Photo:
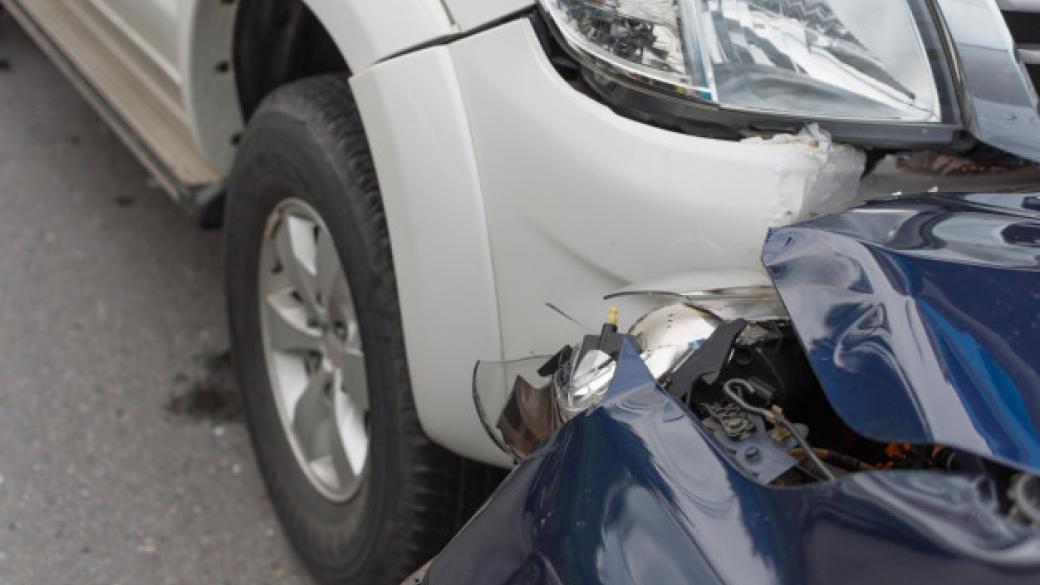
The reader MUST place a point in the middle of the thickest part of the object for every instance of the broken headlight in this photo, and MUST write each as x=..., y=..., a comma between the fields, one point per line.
x=549, y=391
x=845, y=60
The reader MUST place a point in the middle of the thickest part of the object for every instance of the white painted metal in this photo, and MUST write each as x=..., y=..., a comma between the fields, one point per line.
x=577, y=202
x=581, y=201
x=151, y=24
x=206, y=30
x=123, y=83
x=469, y=14
x=367, y=31
x=445, y=280
x=189, y=40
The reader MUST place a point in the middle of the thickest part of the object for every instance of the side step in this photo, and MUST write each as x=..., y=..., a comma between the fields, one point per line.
x=125, y=87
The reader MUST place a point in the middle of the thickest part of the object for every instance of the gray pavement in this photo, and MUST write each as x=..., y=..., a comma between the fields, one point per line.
x=123, y=458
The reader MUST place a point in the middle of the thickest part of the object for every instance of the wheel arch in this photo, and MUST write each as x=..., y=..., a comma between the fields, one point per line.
x=277, y=41
x=233, y=53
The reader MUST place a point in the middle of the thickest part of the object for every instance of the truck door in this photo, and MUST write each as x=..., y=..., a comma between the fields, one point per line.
x=151, y=25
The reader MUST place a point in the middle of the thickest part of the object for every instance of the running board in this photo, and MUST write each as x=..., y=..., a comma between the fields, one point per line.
x=133, y=96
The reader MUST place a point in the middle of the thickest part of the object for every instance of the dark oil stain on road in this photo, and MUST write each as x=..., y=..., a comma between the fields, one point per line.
x=210, y=394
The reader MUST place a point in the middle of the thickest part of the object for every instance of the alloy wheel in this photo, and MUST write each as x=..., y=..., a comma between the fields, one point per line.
x=312, y=347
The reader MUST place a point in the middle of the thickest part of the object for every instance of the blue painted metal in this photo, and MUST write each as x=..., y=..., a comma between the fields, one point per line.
x=921, y=318
x=635, y=492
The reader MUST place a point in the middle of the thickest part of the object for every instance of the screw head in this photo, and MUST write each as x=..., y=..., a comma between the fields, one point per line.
x=340, y=331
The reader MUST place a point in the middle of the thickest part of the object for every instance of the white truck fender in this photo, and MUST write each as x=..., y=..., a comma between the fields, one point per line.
x=469, y=14
x=365, y=31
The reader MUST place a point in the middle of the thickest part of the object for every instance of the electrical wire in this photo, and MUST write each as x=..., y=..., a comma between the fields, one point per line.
x=846, y=462
x=774, y=416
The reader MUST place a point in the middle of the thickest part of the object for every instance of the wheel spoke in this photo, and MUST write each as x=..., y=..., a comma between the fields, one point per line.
x=287, y=325
x=355, y=380
x=297, y=250
x=313, y=418
x=328, y=270
x=353, y=438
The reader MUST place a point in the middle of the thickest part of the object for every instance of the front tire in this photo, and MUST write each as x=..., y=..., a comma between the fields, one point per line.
x=304, y=187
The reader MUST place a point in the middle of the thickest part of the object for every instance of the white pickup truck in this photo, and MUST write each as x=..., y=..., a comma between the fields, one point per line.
x=409, y=187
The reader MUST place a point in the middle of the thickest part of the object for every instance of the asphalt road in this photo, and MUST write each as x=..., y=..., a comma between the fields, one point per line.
x=123, y=458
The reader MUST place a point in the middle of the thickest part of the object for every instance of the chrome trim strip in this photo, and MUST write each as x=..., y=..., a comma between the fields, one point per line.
x=1030, y=54
x=1020, y=5
x=1002, y=102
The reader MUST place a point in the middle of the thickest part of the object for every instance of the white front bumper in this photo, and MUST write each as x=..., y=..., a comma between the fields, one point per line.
x=506, y=189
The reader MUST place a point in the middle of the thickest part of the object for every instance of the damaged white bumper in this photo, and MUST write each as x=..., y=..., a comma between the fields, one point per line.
x=522, y=192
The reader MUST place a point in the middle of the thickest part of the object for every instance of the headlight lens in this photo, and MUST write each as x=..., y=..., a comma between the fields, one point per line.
x=824, y=59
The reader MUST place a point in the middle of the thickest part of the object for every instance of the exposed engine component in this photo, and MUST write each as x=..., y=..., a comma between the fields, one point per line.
x=748, y=383
x=731, y=421
x=674, y=325
x=588, y=380
x=783, y=429
x=745, y=437
x=1025, y=498
x=578, y=376
x=727, y=294
x=739, y=377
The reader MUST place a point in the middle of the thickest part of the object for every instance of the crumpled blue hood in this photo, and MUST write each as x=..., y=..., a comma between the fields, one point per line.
x=921, y=318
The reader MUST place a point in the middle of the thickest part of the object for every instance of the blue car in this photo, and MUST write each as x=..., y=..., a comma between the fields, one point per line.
x=876, y=420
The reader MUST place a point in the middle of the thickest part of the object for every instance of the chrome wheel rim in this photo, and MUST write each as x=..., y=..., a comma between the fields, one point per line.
x=312, y=347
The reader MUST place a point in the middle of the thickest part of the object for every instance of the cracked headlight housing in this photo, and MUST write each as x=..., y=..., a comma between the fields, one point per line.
x=846, y=60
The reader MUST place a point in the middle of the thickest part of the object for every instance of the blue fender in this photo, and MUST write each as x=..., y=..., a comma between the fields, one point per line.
x=635, y=492
x=921, y=318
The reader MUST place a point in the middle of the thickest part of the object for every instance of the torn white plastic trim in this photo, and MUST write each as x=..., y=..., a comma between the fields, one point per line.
x=833, y=186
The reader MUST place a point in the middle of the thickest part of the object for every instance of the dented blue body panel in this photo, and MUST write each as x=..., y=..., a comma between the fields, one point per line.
x=634, y=492
x=921, y=318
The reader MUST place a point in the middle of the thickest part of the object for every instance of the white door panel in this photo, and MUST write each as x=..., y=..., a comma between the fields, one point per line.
x=152, y=25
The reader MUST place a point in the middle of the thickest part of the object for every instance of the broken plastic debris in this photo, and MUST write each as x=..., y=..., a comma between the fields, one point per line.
x=528, y=417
